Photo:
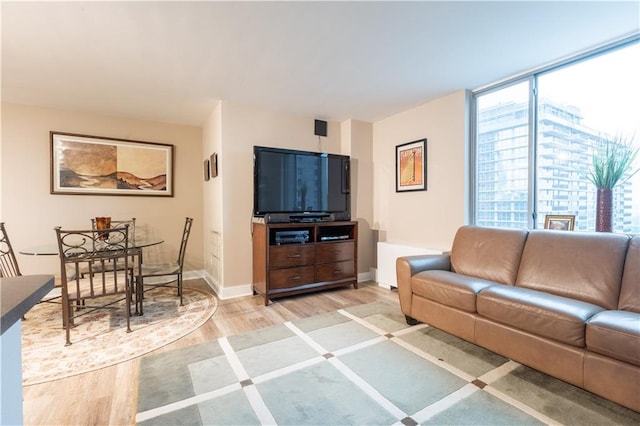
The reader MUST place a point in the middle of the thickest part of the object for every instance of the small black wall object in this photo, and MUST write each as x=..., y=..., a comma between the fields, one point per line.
x=320, y=128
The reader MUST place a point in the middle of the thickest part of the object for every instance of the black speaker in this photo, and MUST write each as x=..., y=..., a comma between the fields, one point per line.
x=341, y=216
x=277, y=218
x=320, y=128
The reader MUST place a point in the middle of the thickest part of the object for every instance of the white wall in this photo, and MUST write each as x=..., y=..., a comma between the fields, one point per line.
x=424, y=218
x=221, y=238
x=1, y=151
x=31, y=212
x=357, y=138
x=212, y=200
x=243, y=127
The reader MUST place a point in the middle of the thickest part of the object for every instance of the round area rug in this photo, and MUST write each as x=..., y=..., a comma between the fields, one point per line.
x=100, y=339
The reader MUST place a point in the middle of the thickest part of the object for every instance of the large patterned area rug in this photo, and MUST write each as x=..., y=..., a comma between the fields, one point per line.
x=357, y=366
x=99, y=339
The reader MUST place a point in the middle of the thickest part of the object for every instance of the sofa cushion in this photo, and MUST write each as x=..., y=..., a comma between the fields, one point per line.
x=546, y=315
x=449, y=288
x=615, y=334
x=489, y=253
x=630, y=289
x=578, y=265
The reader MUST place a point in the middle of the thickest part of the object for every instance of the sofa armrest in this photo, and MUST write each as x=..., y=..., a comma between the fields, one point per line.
x=408, y=266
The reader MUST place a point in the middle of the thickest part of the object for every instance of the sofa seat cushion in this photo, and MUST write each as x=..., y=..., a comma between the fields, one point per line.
x=539, y=313
x=615, y=334
x=449, y=288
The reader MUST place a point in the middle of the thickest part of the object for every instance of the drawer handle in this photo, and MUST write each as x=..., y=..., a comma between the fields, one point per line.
x=337, y=252
x=337, y=271
x=297, y=277
x=294, y=256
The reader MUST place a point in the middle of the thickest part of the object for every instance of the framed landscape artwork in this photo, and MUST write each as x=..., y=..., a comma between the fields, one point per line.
x=559, y=222
x=94, y=165
x=411, y=166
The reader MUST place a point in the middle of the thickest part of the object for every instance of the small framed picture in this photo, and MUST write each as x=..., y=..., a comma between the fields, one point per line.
x=206, y=170
x=214, y=164
x=559, y=222
x=411, y=166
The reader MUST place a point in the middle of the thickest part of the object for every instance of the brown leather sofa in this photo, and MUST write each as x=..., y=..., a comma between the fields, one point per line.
x=564, y=303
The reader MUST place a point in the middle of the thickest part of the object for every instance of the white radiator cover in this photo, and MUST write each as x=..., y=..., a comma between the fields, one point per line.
x=387, y=255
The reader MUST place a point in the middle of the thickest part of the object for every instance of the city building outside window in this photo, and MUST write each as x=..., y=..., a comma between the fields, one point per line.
x=534, y=138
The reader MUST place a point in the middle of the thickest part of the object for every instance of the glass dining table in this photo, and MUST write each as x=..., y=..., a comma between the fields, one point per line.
x=135, y=247
x=137, y=243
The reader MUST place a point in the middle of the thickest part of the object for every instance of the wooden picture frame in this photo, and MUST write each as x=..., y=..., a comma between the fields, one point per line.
x=411, y=166
x=213, y=160
x=207, y=174
x=95, y=165
x=559, y=222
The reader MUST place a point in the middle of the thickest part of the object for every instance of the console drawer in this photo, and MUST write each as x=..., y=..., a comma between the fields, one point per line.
x=291, y=255
x=291, y=277
x=335, y=252
x=335, y=271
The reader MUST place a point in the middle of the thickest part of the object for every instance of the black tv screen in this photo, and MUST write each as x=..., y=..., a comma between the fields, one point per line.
x=300, y=182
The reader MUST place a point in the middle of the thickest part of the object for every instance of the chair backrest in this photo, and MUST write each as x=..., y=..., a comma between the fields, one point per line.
x=8, y=262
x=185, y=237
x=89, y=253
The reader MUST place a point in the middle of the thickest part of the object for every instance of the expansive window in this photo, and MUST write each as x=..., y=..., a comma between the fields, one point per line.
x=534, y=137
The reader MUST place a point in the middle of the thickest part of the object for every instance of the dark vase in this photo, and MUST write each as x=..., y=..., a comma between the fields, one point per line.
x=604, y=210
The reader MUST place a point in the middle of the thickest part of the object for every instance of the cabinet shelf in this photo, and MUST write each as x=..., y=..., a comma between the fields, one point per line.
x=294, y=258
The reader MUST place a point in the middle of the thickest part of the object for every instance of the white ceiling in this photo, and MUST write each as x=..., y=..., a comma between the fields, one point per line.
x=172, y=61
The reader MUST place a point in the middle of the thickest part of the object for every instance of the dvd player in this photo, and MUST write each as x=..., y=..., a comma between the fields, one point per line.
x=292, y=237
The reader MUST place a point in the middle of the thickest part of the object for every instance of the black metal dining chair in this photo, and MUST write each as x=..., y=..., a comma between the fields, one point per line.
x=8, y=263
x=94, y=264
x=9, y=266
x=117, y=223
x=165, y=274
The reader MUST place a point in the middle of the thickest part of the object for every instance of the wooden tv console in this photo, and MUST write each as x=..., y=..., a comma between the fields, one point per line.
x=294, y=258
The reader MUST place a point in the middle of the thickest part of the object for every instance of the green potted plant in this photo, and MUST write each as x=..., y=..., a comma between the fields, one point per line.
x=611, y=164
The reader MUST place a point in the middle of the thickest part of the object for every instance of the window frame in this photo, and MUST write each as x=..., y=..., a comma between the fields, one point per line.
x=530, y=77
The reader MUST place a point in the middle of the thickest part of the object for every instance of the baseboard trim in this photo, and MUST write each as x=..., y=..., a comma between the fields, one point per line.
x=365, y=276
x=235, y=291
x=223, y=293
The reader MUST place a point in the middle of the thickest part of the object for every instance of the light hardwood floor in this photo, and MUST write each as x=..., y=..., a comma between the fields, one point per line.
x=109, y=396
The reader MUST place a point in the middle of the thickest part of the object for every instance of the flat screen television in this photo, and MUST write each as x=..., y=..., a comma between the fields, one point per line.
x=301, y=184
